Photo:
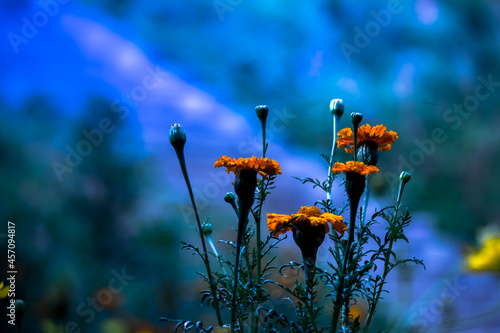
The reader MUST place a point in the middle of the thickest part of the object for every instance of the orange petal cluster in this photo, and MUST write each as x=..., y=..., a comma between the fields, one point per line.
x=355, y=167
x=280, y=223
x=263, y=166
x=376, y=134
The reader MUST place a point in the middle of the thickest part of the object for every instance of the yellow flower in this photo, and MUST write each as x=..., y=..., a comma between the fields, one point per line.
x=4, y=291
x=281, y=223
x=355, y=167
x=487, y=258
x=264, y=166
x=366, y=133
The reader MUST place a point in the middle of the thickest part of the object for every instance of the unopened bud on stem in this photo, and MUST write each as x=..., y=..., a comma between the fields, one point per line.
x=337, y=107
x=230, y=198
x=207, y=229
x=262, y=111
x=177, y=136
x=404, y=178
x=356, y=119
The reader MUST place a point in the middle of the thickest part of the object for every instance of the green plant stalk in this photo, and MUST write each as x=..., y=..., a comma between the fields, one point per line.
x=332, y=156
x=385, y=271
x=242, y=219
x=214, y=250
x=206, y=261
x=339, y=297
x=366, y=198
x=254, y=318
x=354, y=202
x=263, y=123
x=310, y=308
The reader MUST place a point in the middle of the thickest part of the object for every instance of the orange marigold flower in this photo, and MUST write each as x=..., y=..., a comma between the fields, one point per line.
x=264, y=166
x=366, y=133
x=311, y=215
x=355, y=167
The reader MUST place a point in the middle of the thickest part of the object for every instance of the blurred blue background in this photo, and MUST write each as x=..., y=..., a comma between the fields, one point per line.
x=89, y=89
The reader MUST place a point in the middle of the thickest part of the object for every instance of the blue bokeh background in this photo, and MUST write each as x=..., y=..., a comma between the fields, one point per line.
x=121, y=72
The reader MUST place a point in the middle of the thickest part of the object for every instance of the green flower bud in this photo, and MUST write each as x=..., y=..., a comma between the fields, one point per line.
x=405, y=177
x=207, y=229
x=262, y=111
x=177, y=136
x=356, y=118
x=337, y=107
x=229, y=197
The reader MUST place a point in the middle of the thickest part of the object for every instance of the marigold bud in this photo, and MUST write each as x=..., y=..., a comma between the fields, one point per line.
x=405, y=177
x=337, y=107
x=177, y=136
x=207, y=229
x=229, y=197
x=262, y=111
x=356, y=118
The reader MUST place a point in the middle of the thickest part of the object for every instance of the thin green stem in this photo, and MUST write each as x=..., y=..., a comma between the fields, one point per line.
x=340, y=289
x=254, y=319
x=400, y=194
x=386, y=269
x=366, y=198
x=214, y=250
x=257, y=216
x=310, y=307
x=236, y=210
x=355, y=135
x=264, y=149
x=206, y=261
x=332, y=156
x=242, y=219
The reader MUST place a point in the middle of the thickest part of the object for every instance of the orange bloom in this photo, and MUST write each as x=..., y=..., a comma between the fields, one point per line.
x=366, y=133
x=310, y=215
x=263, y=166
x=355, y=167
